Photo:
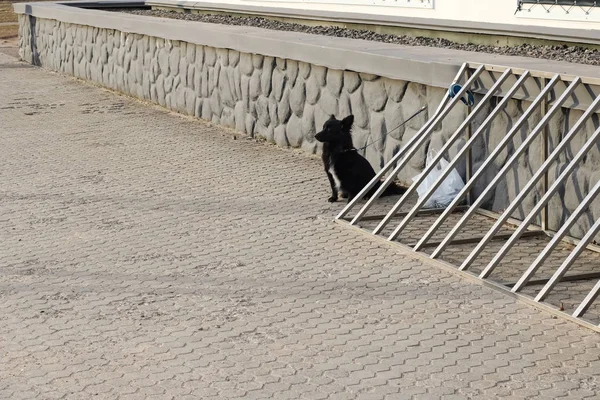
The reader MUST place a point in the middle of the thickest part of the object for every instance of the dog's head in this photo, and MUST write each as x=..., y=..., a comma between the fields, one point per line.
x=336, y=131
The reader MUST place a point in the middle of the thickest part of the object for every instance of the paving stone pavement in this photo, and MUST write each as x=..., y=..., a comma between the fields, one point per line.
x=147, y=255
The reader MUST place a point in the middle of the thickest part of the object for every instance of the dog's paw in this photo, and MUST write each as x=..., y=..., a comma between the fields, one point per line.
x=332, y=199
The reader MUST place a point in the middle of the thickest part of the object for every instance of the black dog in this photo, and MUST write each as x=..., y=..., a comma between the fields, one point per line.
x=348, y=171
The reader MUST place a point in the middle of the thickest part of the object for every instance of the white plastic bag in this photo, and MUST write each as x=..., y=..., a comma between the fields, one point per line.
x=447, y=191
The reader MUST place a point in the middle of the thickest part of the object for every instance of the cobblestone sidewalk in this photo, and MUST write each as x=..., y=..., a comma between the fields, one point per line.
x=145, y=255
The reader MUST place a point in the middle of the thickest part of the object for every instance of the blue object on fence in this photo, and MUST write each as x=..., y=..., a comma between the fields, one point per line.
x=455, y=88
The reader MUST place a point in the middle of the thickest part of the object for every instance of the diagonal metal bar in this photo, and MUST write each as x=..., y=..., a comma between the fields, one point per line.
x=476, y=239
x=587, y=302
x=539, y=174
x=421, y=139
x=423, y=211
x=516, y=127
x=567, y=278
x=491, y=186
x=413, y=187
x=465, y=149
x=566, y=265
x=402, y=151
x=557, y=238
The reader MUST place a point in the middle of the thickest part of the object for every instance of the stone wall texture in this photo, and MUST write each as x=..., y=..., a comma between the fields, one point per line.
x=286, y=102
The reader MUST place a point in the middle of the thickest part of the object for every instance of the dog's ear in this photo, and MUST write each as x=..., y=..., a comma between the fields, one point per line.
x=348, y=121
x=331, y=118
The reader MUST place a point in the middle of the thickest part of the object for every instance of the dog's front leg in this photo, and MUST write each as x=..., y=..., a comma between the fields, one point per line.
x=334, y=192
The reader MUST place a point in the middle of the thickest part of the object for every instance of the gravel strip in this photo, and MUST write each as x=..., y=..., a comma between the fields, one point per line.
x=572, y=54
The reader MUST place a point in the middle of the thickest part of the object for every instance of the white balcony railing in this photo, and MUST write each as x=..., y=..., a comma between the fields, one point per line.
x=568, y=10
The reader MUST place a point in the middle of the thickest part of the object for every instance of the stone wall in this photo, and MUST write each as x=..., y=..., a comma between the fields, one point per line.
x=286, y=102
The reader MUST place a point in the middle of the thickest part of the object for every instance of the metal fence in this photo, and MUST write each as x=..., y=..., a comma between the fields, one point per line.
x=491, y=82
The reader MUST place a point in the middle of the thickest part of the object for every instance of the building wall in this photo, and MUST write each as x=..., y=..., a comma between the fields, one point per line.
x=286, y=102
x=485, y=11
